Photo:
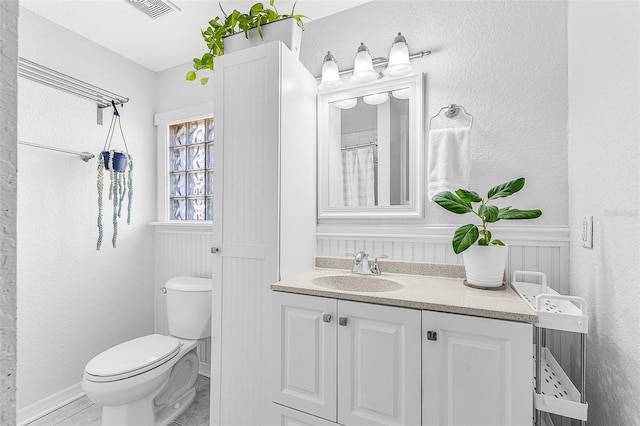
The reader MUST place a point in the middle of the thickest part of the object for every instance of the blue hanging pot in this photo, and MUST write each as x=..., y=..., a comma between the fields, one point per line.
x=119, y=160
x=119, y=157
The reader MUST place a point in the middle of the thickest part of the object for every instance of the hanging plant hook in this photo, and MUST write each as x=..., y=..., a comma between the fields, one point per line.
x=115, y=110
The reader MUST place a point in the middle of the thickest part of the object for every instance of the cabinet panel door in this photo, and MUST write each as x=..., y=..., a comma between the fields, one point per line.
x=378, y=365
x=478, y=372
x=291, y=417
x=305, y=353
x=245, y=230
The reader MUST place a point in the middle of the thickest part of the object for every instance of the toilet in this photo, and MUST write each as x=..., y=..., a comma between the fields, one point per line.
x=151, y=380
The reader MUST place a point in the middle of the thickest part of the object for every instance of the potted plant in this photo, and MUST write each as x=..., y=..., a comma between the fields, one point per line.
x=226, y=34
x=119, y=165
x=485, y=261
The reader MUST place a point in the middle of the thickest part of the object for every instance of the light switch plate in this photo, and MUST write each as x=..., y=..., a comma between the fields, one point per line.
x=587, y=231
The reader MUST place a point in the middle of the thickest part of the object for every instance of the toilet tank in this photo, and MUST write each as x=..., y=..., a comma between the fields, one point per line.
x=189, y=307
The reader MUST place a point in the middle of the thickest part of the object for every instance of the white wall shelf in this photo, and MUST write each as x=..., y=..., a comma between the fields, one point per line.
x=554, y=392
x=65, y=83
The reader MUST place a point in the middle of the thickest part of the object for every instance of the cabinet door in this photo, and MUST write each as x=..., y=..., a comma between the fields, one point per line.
x=378, y=365
x=305, y=353
x=475, y=371
x=290, y=417
x=245, y=230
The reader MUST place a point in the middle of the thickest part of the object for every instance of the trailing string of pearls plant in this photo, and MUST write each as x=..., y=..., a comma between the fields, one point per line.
x=120, y=167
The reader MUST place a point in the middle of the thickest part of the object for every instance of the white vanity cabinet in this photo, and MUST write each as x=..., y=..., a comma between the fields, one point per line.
x=356, y=363
x=475, y=371
x=347, y=362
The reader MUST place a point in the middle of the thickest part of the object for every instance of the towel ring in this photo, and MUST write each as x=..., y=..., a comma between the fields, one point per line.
x=451, y=112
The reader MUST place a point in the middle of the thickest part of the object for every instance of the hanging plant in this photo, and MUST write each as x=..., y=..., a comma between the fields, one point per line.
x=120, y=167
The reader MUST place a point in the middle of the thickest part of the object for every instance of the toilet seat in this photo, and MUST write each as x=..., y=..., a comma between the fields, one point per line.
x=132, y=358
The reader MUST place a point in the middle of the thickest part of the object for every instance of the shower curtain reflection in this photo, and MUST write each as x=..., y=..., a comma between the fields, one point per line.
x=358, y=168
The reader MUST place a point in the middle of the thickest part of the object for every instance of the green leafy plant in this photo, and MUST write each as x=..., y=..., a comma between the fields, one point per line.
x=232, y=23
x=461, y=203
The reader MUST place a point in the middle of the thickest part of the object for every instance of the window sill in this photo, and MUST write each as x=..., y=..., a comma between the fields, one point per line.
x=184, y=226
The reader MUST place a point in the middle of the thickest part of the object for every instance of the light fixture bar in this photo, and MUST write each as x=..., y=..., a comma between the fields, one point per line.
x=377, y=62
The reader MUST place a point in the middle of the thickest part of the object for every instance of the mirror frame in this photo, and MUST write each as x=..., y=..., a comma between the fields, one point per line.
x=415, y=208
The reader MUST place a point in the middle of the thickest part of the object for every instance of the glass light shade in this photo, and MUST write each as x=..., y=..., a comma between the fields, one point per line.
x=376, y=99
x=347, y=103
x=399, y=63
x=363, y=71
x=330, y=74
x=401, y=93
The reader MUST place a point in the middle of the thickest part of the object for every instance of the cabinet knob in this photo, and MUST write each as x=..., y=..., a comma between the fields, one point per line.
x=326, y=317
x=215, y=250
x=343, y=321
x=432, y=335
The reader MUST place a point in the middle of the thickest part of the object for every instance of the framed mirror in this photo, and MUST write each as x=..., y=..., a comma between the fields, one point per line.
x=370, y=150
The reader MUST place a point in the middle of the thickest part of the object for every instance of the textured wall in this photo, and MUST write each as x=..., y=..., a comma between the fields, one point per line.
x=604, y=181
x=8, y=200
x=506, y=62
x=174, y=92
x=75, y=302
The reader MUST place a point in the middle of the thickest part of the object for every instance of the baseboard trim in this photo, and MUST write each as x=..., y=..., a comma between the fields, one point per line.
x=205, y=369
x=51, y=403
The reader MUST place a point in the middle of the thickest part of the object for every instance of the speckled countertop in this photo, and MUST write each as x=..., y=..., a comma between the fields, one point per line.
x=444, y=293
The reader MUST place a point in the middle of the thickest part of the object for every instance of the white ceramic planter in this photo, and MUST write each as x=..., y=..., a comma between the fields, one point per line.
x=484, y=265
x=285, y=30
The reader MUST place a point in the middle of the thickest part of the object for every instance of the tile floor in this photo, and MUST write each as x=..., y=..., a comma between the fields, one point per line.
x=83, y=412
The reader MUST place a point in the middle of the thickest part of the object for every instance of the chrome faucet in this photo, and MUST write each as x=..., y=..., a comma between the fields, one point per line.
x=361, y=264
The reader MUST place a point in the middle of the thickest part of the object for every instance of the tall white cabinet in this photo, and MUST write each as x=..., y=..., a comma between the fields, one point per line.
x=264, y=216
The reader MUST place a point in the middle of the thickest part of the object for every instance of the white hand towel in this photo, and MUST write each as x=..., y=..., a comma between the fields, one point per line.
x=449, y=160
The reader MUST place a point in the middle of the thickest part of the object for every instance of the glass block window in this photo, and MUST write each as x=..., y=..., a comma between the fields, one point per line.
x=191, y=170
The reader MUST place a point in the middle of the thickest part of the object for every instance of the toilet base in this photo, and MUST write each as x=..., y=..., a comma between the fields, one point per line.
x=168, y=414
x=137, y=413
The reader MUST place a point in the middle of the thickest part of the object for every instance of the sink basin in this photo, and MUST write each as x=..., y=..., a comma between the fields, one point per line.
x=363, y=283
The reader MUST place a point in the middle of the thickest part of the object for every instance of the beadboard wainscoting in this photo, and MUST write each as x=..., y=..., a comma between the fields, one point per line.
x=181, y=250
x=533, y=248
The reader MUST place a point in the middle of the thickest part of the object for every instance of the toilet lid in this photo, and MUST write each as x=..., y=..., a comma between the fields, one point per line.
x=134, y=357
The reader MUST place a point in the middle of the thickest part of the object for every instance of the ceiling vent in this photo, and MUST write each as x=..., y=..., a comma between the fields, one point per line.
x=153, y=8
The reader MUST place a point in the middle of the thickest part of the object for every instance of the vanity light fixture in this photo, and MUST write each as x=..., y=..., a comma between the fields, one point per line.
x=399, y=64
x=376, y=99
x=363, y=71
x=398, y=57
x=401, y=93
x=330, y=74
x=346, y=104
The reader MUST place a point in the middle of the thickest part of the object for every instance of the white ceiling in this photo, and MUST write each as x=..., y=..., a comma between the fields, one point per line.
x=167, y=41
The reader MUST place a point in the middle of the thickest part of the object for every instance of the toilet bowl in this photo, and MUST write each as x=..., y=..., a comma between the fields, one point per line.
x=151, y=380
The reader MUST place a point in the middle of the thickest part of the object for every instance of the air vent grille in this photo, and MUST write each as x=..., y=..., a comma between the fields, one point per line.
x=153, y=8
